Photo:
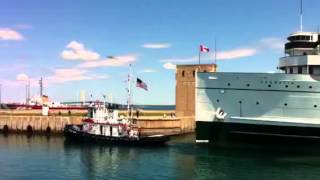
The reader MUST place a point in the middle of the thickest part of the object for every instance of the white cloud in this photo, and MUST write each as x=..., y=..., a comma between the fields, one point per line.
x=10, y=34
x=236, y=53
x=22, y=77
x=77, y=51
x=157, y=45
x=72, y=74
x=169, y=66
x=23, y=26
x=181, y=60
x=273, y=43
x=110, y=62
x=148, y=71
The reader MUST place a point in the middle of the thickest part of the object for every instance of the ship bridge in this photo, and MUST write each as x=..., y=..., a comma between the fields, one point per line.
x=302, y=54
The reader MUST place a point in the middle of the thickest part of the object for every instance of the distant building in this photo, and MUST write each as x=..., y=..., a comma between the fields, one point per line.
x=82, y=96
x=185, y=92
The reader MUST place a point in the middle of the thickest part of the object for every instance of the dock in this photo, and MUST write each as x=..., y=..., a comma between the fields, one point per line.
x=33, y=122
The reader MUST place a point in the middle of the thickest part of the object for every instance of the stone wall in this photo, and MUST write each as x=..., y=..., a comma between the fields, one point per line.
x=185, y=93
x=54, y=124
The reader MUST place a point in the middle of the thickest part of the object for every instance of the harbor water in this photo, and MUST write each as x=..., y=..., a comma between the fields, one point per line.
x=39, y=157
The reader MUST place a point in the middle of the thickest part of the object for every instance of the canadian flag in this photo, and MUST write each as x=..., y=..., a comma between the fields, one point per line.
x=204, y=48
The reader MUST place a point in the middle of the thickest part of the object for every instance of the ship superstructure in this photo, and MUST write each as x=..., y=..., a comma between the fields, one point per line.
x=274, y=104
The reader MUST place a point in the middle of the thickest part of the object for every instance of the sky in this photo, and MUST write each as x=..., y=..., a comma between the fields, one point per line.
x=88, y=45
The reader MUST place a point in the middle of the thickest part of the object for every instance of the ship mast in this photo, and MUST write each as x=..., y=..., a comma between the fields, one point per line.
x=301, y=16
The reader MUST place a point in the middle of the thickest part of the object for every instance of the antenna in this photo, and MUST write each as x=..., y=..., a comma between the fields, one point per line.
x=301, y=15
x=215, y=51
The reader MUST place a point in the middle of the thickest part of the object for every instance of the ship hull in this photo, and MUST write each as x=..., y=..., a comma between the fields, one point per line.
x=76, y=135
x=211, y=132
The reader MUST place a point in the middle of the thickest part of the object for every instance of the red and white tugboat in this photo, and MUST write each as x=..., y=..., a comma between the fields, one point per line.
x=104, y=125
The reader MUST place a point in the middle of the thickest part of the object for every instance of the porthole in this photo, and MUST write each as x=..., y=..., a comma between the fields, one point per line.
x=248, y=85
x=310, y=87
x=286, y=86
x=269, y=85
x=240, y=102
x=229, y=84
x=285, y=104
x=257, y=103
x=298, y=86
x=315, y=106
x=218, y=100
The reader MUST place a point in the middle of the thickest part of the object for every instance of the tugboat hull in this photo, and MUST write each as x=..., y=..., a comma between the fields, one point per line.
x=74, y=133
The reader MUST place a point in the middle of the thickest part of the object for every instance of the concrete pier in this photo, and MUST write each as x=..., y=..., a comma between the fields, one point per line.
x=31, y=121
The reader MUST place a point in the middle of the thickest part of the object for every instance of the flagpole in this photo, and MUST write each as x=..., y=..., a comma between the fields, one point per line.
x=199, y=54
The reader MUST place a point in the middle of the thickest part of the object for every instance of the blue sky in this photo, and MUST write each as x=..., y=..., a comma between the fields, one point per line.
x=68, y=42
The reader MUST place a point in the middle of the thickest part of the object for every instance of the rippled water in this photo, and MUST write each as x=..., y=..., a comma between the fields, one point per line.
x=40, y=158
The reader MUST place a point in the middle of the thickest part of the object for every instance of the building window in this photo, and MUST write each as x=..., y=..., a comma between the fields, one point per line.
x=310, y=69
x=299, y=70
x=194, y=73
x=182, y=73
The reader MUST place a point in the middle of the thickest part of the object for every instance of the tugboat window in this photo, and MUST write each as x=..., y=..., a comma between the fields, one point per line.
x=300, y=69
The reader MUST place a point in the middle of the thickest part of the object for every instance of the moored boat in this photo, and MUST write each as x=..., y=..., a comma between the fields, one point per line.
x=104, y=126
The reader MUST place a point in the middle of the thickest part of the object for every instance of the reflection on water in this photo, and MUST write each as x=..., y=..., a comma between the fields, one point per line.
x=39, y=157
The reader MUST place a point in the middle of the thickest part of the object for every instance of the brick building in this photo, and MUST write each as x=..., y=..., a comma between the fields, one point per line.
x=185, y=92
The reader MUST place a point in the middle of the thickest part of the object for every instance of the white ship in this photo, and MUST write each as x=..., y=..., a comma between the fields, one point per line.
x=285, y=104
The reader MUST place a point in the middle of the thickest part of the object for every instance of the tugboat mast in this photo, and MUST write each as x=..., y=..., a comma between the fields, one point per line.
x=129, y=92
